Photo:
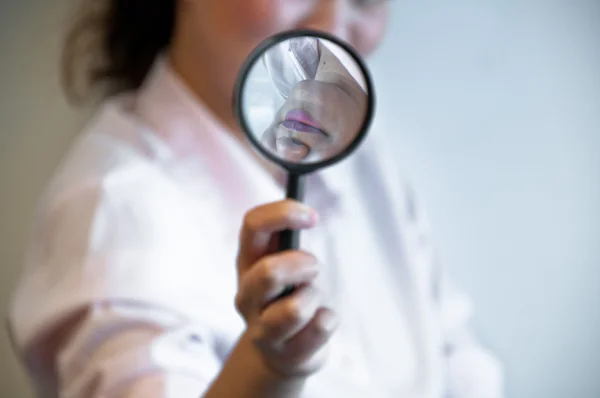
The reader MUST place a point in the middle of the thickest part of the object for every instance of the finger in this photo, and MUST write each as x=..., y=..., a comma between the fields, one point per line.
x=261, y=222
x=313, y=337
x=268, y=278
x=283, y=319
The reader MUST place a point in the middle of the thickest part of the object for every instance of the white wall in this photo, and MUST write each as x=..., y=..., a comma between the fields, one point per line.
x=497, y=121
x=35, y=128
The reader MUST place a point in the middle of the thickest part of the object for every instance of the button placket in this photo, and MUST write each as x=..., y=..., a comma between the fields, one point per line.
x=351, y=359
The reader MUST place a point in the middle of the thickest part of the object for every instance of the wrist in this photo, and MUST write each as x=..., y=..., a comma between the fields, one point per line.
x=245, y=373
x=287, y=386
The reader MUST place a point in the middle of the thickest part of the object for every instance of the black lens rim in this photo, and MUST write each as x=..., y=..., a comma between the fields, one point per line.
x=255, y=56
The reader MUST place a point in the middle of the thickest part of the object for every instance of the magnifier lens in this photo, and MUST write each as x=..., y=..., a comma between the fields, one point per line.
x=305, y=100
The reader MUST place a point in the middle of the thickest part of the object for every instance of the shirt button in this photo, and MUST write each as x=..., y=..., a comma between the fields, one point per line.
x=195, y=338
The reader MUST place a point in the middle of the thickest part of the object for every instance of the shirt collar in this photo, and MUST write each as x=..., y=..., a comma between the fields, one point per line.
x=189, y=133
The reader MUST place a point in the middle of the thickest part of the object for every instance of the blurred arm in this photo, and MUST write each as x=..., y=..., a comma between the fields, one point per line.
x=130, y=350
x=124, y=349
x=123, y=299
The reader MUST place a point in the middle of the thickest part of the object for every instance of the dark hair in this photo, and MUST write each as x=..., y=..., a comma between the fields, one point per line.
x=113, y=44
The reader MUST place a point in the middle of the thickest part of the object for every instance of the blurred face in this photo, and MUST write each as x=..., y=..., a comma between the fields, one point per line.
x=321, y=116
x=214, y=37
x=236, y=25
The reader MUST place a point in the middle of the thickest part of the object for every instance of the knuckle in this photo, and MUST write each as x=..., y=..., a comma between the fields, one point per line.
x=270, y=275
x=251, y=221
x=239, y=302
x=258, y=337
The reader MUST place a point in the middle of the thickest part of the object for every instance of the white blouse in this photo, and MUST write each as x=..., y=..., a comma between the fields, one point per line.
x=130, y=274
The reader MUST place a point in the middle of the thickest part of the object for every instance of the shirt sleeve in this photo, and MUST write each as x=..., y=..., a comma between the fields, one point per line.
x=121, y=296
x=471, y=370
x=133, y=350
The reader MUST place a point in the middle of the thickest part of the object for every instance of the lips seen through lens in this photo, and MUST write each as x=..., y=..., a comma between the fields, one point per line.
x=303, y=125
x=320, y=116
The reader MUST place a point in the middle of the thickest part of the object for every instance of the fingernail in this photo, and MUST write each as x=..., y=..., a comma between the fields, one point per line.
x=312, y=269
x=329, y=321
x=308, y=215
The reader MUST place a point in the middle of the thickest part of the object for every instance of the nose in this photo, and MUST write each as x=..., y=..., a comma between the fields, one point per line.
x=333, y=17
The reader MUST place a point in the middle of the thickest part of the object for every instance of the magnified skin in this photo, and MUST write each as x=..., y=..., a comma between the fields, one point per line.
x=320, y=117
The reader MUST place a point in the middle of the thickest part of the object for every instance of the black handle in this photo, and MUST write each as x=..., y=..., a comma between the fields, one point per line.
x=290, y=239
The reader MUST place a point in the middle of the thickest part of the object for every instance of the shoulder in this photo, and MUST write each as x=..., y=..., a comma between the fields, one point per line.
x=111, y=143
x=114, y=224
x=117, y=167
x=114, y=190
x=104, y=172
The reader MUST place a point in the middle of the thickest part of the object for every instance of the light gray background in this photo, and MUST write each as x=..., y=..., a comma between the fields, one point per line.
x=494, y=108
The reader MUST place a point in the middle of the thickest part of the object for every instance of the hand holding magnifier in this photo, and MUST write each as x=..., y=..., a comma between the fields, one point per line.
x=305, y=101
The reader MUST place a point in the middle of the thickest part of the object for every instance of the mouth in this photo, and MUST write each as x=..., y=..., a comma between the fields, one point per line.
x=301, y=121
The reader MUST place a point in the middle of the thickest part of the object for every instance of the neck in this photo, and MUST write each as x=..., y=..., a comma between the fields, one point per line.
x=216, y=94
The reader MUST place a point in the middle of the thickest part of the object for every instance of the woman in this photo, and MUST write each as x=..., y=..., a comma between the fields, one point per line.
x=325, y=104
x=137, y=258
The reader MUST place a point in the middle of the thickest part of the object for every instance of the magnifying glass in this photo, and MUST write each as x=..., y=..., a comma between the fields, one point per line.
x=305, y=100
